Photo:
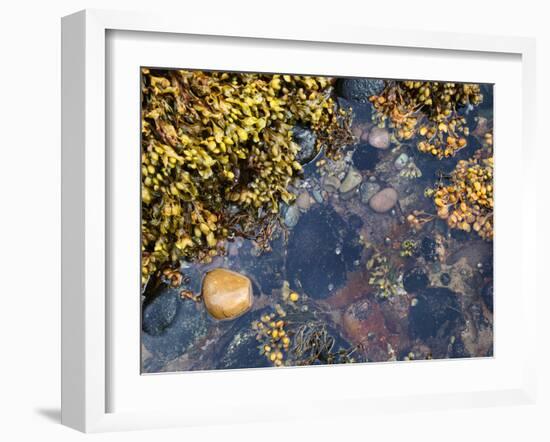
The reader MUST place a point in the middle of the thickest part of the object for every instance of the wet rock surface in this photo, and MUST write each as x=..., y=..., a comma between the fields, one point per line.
x=238, y=348
x=306, y=139
x=190, y=324
x=415, y=279
x=359, y=89
x=365, y=325
x=436, y=314
x=487, y=295
x=351, y=181
x=365, y=157
x=428, y=249
x=368, y=190
x=160, y=312
x=315, y=242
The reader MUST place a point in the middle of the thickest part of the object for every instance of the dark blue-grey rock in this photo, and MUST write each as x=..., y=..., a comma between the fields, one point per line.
x=487, y=295
x=415, y=279
x=238, y=348
x=187, y=327
x=359, y=89
x=445, y=279
x=159, y=313
x=307, y=140
x=315, y=260
x=365, y=157
x=436, y=314
x=428, y=249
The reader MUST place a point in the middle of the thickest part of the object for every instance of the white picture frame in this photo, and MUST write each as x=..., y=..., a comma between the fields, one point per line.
x=87, y=356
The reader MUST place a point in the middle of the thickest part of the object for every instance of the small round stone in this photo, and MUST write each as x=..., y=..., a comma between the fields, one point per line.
x=384, y=200
x=226, y=294
x=351, y=181
x=445, y=279
x=379, y=138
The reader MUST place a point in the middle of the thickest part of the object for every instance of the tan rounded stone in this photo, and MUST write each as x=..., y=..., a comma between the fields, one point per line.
x=383, y=200
x=226, y=294
x=379, y=138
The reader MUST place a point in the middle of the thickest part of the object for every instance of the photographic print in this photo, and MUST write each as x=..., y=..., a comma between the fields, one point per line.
x=296, y=220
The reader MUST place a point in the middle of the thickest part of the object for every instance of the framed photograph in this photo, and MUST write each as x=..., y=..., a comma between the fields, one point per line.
x=327, y=218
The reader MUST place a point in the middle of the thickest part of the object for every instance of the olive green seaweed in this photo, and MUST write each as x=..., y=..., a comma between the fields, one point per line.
x=217, y=156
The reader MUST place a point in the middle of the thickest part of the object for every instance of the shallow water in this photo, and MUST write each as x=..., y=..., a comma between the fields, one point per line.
x=436, y=303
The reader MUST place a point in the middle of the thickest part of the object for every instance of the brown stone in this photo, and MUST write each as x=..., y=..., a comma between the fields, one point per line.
x=384, y=200
x=379, y=138
x=226, y=294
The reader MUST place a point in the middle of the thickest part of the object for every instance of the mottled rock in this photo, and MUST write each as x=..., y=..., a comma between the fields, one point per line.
x=368, y=190
x=359, y=89
x=306, y=139
x=365, y=157
x=303, y=201
x=428, y=249
x=401, y=161
x=292, y=215
x=226, y=294
x=331, y=183
x=415, y=279
x=351, y=181
x=317, y=195
x=384, y=200
x=365, y=325
x=379, y=138
x=160, y=312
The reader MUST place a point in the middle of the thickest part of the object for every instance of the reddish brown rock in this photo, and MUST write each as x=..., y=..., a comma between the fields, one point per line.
x=364, y=324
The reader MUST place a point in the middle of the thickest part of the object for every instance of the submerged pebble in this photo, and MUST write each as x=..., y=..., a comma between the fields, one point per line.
x=379, y=138
x=401, y=161
x=292, y=215
x=317, y=196
x=351, y=181
x=384, y=200
x=303, y=201
x=331, y=183
x=445, y=279
x=365, y=157
x=226, y=294
x=368, y=190
x=306, y=139
x=428, y=249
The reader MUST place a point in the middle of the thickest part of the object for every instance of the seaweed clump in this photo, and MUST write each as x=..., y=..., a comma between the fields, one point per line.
x=433, y=110
x=217, y=156
x=465, y=198
x=384, y=277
